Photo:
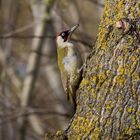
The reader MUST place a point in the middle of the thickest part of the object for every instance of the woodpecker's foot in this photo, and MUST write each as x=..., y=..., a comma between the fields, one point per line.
x=82, y=67
x=69, y=125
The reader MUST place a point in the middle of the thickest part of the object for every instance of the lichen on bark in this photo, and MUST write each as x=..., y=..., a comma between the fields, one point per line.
x=109, y=95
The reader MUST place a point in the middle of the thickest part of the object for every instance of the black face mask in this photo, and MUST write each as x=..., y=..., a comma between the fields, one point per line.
x=65, y=35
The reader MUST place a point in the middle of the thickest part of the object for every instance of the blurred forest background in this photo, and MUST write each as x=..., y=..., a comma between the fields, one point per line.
x=32, y=100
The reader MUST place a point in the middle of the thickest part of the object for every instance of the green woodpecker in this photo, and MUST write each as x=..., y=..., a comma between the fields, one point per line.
x=69, y=63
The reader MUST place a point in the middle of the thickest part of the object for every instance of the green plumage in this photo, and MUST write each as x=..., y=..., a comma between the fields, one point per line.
x=61, y=53
x=70, y=79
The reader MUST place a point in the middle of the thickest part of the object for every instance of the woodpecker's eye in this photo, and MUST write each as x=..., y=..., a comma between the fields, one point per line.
x=63, y=34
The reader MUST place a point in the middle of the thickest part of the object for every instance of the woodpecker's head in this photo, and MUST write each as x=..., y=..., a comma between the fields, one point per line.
x=64, y=36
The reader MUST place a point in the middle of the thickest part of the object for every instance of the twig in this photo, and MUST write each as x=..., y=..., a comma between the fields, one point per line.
x=11, y=117
x=26, y=36
x=97, y=3
x=41, y=37
x=19, y=30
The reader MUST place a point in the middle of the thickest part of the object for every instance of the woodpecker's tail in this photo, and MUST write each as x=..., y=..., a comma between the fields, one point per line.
x=72, y=97
x=71, y=93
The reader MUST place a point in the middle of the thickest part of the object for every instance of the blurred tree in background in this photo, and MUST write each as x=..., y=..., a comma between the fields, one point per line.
x=32, y=100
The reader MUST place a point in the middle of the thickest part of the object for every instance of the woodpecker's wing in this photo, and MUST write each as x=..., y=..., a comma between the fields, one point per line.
x=68, y=88
x=61, y=53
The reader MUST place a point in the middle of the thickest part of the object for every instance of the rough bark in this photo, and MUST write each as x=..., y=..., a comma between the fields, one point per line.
x=108, y=100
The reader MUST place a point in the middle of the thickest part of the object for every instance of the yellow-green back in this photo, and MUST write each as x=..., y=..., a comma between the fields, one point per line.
x=61, y=53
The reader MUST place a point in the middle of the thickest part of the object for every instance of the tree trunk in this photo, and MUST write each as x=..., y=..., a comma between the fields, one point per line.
x=108, y=100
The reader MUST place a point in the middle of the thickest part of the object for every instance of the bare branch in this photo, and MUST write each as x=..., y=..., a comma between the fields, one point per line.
x=97, y=3
x=15, y=115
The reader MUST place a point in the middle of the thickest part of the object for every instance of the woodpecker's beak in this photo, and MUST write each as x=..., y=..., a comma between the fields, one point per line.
x=72, y=30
